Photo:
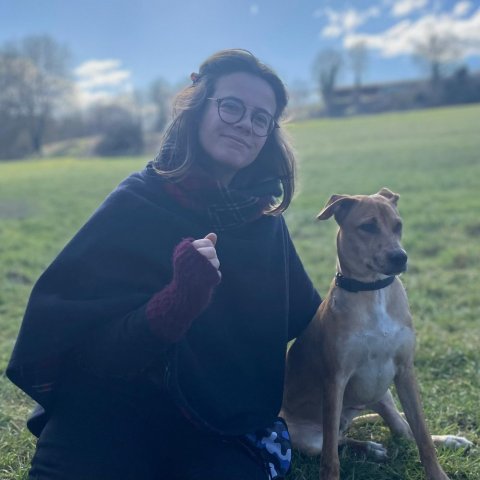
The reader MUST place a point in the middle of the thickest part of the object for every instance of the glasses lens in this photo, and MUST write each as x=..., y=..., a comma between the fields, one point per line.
x=231, y=110
x=262, y=124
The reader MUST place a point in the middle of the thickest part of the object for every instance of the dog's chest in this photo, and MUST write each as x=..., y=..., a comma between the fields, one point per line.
x=374, y=349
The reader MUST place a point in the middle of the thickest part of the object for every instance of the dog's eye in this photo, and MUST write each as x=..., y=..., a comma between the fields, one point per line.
x=369, y=227
x=398, y=228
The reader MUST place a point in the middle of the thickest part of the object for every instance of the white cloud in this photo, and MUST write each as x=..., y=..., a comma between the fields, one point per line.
x=403, y=37
x=86, y=98
x=405, y=7
x=101, y=81
x=344, y=22
x=108, y=79
x=461, y=8
x=99, y=73
x=92, y=67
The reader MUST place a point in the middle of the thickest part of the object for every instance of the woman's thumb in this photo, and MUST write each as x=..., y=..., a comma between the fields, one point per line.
x=212, y=237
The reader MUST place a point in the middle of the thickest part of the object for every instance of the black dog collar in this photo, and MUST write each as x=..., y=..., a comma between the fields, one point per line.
x=355, y=286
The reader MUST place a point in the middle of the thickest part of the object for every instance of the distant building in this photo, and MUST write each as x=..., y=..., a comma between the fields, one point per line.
x=461, y=87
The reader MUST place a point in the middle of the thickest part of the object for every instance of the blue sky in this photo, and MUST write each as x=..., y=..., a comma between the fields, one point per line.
x=118, y=45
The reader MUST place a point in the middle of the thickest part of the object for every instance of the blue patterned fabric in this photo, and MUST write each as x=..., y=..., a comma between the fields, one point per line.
x=273, y=445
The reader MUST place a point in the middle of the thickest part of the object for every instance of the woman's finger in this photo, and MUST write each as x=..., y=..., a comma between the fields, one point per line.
x=212, y=237
x=202, y=243
x=208, y=252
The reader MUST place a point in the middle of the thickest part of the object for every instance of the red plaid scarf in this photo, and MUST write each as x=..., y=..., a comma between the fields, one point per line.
x=226, y=207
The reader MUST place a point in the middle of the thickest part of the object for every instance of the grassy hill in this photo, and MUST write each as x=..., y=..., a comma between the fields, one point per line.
x=431, y=158
x=84, y=147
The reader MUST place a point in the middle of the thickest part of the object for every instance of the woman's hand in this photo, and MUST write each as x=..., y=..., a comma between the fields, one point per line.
x=206, y=247
x=171, y=311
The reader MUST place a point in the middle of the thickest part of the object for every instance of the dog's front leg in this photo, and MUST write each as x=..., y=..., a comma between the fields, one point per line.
x=333, y=388
x=408, y=392
x=393, y=418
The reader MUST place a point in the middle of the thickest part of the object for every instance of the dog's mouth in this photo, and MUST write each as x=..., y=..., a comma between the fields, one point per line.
x=395, y=269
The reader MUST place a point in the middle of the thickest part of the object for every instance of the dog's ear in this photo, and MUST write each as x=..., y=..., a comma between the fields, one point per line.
x=338, y=205
x=385, y=192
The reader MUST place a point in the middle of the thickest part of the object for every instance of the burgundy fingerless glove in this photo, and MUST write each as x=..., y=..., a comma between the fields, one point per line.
x=171, y=311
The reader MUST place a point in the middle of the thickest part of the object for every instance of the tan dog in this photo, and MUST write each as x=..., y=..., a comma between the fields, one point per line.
x=359, y=343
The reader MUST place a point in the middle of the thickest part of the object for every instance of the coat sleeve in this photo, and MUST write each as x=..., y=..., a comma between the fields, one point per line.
x=120, y=348
x=304, y=299
x=127, y=346
x=95, y=293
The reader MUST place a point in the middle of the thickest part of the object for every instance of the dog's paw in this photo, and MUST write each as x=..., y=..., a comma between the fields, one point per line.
x=452, y=441
x=376, y=451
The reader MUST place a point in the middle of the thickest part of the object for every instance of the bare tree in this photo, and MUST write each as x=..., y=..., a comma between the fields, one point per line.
x=35, y=81
x=438, y=53
x=160, y=93
x=326, y=69
x=14, y=141
x=121, y=129
x=358, y=62
x=300, y=93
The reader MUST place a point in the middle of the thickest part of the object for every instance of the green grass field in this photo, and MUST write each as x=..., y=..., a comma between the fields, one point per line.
x=431, y=158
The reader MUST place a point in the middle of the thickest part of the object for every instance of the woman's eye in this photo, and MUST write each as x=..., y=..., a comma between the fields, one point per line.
x=231, y=107
x=261, y=120
x=369, y=227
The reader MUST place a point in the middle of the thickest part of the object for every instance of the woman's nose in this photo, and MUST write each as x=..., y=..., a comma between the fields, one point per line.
x=245, y=124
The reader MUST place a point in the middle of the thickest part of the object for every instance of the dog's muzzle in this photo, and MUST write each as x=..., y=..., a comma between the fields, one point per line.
x=397, y=261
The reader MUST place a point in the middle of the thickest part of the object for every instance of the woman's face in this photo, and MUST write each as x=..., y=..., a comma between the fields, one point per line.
x=232, y=147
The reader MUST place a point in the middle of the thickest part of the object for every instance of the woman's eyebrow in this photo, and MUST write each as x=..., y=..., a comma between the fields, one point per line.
x=249, y=105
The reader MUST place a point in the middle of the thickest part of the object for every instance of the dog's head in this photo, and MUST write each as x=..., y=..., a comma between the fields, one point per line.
x=368, y=241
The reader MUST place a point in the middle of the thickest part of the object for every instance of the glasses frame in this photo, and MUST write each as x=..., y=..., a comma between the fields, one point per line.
x=273, y=123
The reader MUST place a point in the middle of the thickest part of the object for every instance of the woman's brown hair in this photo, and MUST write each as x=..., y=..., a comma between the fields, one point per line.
x=180, y=144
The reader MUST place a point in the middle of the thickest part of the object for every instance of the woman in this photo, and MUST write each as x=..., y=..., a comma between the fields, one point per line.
x=154, y=344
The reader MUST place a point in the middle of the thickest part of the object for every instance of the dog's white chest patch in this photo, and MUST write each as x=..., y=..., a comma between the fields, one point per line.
x=373, y=350
x=383, y=324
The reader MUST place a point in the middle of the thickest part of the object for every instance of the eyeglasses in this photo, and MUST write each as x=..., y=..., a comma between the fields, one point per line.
x=231, y=110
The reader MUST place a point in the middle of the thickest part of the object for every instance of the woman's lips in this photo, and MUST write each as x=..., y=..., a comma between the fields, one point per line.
x=238, y=140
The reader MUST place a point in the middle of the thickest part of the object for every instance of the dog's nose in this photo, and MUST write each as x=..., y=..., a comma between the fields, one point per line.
x=398, y=259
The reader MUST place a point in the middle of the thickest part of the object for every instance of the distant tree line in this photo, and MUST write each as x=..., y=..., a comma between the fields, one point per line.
x=33, y=82
x=38, y=96
x=448, y=82
x=37, y=104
